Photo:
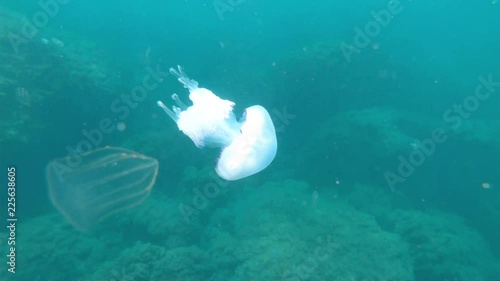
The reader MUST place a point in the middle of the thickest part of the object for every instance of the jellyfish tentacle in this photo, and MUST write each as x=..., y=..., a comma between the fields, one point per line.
x=175, y=97
x=169, y=112
x=177, y=110
x=183, y=78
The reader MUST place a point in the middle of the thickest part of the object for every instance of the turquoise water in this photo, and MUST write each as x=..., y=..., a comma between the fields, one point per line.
x=385, y=113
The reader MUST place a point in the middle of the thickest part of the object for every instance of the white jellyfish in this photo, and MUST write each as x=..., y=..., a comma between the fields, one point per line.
x=247, y=145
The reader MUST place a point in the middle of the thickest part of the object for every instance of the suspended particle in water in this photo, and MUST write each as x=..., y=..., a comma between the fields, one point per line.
x=486, y=185
x=121, y=126
x=89, y=187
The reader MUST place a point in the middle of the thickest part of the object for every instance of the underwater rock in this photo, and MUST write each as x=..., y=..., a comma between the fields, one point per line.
x=443, y=247
x=297, y=239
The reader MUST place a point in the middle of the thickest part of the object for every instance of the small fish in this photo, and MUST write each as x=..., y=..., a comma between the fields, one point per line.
x=57, y=42
x=23, y=96
x=73, y=151
x=44, y=41
x=315, y=196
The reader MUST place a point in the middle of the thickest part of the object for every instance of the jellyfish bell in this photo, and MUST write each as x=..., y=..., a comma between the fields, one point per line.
x=247, y=146
x=252, y=150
